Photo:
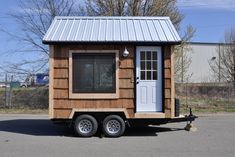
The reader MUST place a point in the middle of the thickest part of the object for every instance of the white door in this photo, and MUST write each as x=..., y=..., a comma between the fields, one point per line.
x=148, y=79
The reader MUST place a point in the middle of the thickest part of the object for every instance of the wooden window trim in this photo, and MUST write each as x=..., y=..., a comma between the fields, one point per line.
x=93, y=95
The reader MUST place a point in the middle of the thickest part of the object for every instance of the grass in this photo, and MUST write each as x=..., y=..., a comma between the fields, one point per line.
x=185, y=110
x=207, y=105
x=23, y=111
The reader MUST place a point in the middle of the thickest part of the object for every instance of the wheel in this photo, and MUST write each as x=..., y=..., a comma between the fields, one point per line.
x=113, y=126
x=85, y=126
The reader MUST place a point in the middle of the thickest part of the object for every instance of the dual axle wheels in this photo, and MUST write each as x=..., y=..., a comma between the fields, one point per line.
x=86, y=126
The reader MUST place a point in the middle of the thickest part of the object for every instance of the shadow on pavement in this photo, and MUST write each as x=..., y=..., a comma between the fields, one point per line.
x=148, y=130
x=44, y=127
x=36, y=127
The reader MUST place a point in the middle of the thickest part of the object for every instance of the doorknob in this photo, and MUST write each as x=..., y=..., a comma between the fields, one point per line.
x=137, y=80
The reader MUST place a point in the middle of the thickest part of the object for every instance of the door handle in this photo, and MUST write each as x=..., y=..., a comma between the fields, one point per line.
x=137, y=80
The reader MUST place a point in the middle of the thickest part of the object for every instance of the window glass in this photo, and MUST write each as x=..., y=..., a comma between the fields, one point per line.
x=142, y=55
x=142, y=65
x=154, y=55
x=94, y=73
x=148, y=65
x=148, y=55
x=154, y=65
x=148, y=75
x=142, y=75
x=154, y=75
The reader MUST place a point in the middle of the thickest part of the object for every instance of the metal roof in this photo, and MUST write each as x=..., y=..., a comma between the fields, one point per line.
x=111, y=29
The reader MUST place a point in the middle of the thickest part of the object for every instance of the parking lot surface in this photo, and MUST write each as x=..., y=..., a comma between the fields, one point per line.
x=35, y=135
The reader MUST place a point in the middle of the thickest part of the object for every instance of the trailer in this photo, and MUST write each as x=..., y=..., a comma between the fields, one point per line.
x=112, y=72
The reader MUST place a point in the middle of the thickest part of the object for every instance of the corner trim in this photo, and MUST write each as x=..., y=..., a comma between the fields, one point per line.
x=51, y=81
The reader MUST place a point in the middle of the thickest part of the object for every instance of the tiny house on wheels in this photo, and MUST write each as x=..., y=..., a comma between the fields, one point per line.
x=112, y=72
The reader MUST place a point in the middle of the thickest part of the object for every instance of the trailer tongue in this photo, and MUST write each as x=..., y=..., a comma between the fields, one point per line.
x=187, y=118
x=158, y=121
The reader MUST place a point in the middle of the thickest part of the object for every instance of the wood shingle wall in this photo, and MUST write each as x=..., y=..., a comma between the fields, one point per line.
x=60, y=104
x=63, y=105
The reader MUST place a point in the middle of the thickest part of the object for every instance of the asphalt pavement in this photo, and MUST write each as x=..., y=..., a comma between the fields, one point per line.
x=36, y=136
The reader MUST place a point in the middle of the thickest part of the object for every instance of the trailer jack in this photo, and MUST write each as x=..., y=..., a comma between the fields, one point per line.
x=189, y=126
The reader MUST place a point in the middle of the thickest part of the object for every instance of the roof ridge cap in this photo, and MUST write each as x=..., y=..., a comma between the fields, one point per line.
x=114, y=17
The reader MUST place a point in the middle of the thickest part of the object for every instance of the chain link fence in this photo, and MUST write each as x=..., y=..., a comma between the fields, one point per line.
x=30, y=98
x=23, y=98
x=206, y=97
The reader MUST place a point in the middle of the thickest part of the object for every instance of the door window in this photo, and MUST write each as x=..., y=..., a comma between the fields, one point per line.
x=148, y=65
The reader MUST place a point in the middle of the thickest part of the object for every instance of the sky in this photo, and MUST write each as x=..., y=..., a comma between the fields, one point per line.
x=210, y=18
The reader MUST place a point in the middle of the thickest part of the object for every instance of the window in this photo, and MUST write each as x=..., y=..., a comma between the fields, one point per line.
x=94, y=73
x=148, y=65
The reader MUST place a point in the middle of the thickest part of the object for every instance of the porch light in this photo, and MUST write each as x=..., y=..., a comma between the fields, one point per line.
x=125, y=53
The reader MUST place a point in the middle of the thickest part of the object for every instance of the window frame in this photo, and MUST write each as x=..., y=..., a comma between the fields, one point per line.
x=73, y=95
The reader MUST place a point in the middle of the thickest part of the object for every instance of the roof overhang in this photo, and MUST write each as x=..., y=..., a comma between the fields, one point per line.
x=149, y=30
x=107, y=42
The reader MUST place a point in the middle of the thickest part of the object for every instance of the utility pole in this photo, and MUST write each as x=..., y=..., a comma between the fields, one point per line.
x=182, y=64
x=10, y=94
x=6, y=91
x=233, y=53
x=219, y=64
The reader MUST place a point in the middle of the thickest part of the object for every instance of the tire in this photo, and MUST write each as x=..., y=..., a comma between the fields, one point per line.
x=85, y=125
x=113, y=126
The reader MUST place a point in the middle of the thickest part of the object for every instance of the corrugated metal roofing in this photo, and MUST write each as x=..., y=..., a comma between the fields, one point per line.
x=111, y=29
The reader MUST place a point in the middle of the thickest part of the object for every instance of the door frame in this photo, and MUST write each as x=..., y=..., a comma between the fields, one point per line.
x=162, y=79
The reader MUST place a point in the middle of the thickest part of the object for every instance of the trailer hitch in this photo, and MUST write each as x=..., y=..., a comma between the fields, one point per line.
x=187, y=118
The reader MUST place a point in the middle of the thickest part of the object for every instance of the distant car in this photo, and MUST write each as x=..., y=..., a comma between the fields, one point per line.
x=39, y=79
x=23, y=85
x=2, y=85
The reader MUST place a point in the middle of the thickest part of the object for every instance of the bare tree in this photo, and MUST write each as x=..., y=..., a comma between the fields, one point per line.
x=104, y=7
x=223, y=66
x=34, y=17
x=134, y=8
x=182, y=58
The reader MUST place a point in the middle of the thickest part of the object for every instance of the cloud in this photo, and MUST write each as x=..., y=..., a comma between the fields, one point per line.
x=209, y=4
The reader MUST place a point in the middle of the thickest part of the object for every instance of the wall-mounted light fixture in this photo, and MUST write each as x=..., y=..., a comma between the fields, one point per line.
x=213, y=58
x=125, y=53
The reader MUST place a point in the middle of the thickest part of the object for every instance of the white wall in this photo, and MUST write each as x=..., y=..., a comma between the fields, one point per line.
x=200, y=54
